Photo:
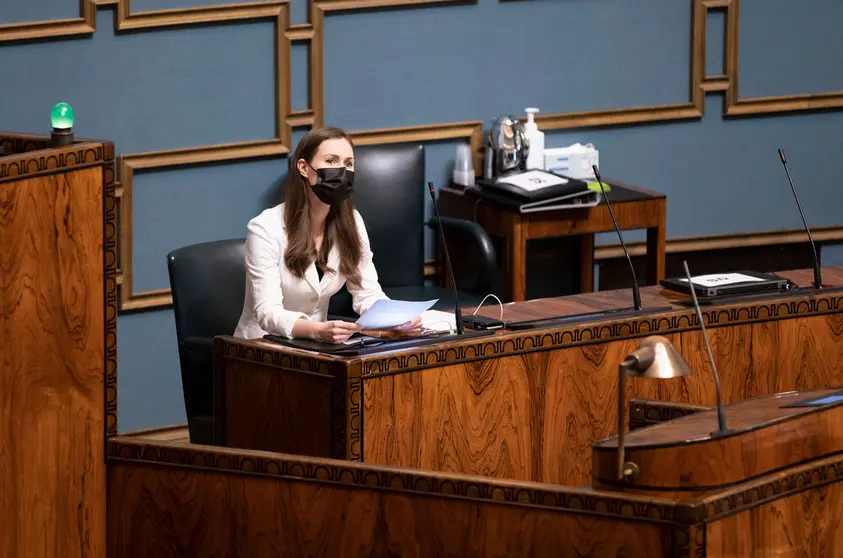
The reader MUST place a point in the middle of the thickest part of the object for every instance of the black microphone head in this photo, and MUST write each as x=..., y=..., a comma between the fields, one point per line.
x=782, y=157
x=430, y=189
x=596, y=172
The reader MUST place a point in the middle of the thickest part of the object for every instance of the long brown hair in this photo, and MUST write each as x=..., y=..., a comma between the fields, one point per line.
x=340, y=224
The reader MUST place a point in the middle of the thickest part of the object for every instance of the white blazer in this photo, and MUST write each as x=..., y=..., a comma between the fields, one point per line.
x=276, y=299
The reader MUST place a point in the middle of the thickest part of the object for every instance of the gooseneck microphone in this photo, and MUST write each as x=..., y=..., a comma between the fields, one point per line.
x=636, y=294
x=721, y=416
x=818, y=280
x=457, y=311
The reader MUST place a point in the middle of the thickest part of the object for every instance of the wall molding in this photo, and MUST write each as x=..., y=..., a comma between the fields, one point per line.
x=705, y=243
x=85, y=24
x=735, y=106
x=312, y=33
x=726, y=241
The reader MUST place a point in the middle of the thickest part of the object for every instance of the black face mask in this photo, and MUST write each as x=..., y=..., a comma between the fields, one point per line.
x=333, y=184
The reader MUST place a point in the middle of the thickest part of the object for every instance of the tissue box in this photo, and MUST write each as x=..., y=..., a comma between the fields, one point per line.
x=574, y=161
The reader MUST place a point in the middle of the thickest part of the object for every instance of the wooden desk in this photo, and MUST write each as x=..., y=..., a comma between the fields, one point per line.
x=168, y=498
x=520, y=405
x=635, y=208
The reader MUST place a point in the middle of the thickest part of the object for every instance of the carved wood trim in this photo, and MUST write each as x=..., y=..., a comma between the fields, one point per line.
x=350, y=473
x=688, y=517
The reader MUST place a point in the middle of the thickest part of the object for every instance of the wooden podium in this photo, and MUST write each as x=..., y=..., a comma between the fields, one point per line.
x=777, y=464
x=57, y=344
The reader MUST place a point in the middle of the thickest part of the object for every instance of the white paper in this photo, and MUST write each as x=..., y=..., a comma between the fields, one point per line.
x=390, y=313
x=436, y=320
x=719, y=279
x=533, y=180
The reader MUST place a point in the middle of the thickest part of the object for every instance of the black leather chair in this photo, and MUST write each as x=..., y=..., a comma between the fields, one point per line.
x=391, y=194
x=208, y=282
x=208, y=279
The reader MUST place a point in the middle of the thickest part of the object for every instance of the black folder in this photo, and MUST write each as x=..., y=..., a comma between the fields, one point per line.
x=373, y=344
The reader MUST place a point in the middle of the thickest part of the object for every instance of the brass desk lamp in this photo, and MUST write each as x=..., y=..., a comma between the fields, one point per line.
x=656, y=357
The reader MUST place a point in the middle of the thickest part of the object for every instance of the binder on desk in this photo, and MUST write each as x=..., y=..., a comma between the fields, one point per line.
x=536, y=190
x=363, y=344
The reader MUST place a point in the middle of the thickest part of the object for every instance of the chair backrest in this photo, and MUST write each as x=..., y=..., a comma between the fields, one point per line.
x=390, y=194
x=208, y=282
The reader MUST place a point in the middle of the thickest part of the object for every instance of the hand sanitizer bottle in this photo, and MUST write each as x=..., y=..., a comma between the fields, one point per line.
x=535, y=158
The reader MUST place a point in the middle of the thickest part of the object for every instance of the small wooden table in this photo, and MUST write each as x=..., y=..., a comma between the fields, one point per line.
x=635, y=208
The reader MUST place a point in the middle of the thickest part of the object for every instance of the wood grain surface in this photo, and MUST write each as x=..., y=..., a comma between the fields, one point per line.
x=171, y=512
x=52, y=378
x=764, y=436
x=528, y=405
x=295, y=414
x=527, y=417
x=807, y=524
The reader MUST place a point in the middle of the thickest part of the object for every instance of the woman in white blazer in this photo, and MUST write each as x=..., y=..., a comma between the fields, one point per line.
x=301, y=252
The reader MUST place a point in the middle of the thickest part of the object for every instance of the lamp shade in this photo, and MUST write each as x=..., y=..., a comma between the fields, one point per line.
x=656, y=357
x=61, y=116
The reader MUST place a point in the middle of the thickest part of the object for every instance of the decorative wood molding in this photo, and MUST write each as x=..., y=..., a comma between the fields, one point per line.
x=85, y=24
x=129, y=299
x=349, y=473
x=126, y=19
x=735, y=106
x=705, y=243
x=686, y=516
x=726, y=241
x=110, y=234
x=471, y=130
x=285, y=119
x=645, y=412
x=677, y=319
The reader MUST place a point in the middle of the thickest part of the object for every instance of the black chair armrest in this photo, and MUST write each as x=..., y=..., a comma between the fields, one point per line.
x=477, y=241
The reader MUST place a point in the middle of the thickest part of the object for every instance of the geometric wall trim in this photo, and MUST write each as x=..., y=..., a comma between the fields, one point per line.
x=277, y=11
x=735, y=106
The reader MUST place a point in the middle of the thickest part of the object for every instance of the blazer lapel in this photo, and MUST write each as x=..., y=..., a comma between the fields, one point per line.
x=333, y=263
x=312, y=278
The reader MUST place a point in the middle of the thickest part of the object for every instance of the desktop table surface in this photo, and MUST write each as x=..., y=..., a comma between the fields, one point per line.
x=673, y=304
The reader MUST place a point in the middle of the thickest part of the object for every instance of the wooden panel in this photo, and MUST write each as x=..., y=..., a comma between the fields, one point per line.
x=52, y=378
x=809, y=523
x=764, y=436
x=528, y=417
x=176, y=512
x=294, y=410
x=470, y=418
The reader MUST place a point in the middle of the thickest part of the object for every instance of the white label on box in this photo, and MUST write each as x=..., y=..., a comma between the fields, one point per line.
x=720, y=279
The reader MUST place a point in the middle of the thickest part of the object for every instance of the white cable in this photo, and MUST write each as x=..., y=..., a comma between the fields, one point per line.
x=484, y=300
x=446, y=322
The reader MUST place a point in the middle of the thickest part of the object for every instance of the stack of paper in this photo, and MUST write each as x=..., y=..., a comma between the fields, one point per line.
x=391, y=313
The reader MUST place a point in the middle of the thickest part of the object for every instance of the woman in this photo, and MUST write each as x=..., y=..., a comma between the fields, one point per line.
x=301, y=252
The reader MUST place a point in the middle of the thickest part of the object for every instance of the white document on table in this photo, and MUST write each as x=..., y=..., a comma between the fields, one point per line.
x=390, y=313
x=718, y=279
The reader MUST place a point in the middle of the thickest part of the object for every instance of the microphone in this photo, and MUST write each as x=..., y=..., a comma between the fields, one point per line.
x=721, y=416
x=636, y=294
x=457, y=311
x=818, y=280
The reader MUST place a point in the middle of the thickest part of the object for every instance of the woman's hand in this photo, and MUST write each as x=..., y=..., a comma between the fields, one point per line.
x=335, y=331
x=411, y=327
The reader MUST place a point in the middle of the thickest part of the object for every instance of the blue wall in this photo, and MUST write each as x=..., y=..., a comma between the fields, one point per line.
x=170, y=88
